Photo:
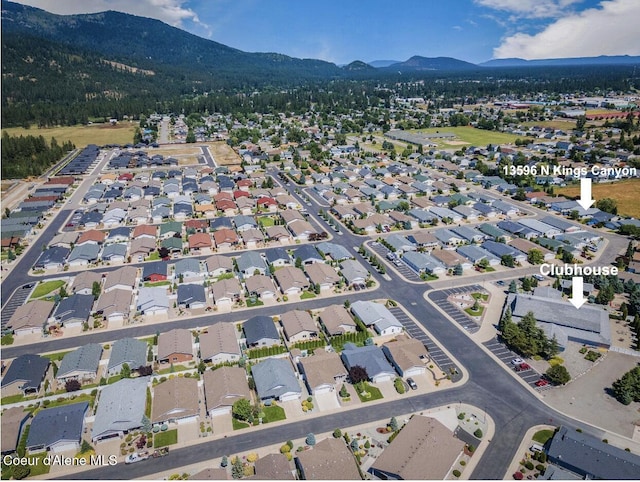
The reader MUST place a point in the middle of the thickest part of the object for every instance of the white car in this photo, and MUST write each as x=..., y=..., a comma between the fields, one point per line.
x=517, y=361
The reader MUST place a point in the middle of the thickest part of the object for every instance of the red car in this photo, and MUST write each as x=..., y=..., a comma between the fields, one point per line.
x=522, y=367
x=542, y=383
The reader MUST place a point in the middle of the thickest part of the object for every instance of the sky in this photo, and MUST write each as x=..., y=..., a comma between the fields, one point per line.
x=342, y=31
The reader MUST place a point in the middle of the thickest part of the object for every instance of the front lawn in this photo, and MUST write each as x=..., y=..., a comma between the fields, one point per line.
x=153, y=256
x=40, y=468
x=251, y=302
x=307, y=295
x=266, y=221
x=237, y=424
x=273, y=414
x=542, y=436
x=157, y=283
x=46, y=287
x=57, y=356
x=162, y=439
x=370, y=393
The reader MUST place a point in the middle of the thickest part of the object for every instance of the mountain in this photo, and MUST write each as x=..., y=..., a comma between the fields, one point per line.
x=358, y=66
x=601, y=60
x=383, y=63
x=417, y=63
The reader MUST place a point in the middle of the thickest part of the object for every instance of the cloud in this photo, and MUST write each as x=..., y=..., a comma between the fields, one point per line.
x=457, y=27
x=609, y=29
x=529, y=8
x=173, y=12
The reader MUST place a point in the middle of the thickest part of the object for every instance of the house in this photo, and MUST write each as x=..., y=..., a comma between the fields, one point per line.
x=174, y=400
x=211, y=473
x=329, y=459
x=199, y=241
x=475, y=254
x=114, y=306
x=539, y=227
x=121, y=408
x=407, y=355
x=219, y=344
x=337, y=252
x=260, y=286
x=30, y=318
x=25, y=375
x=175, y=346
x=273, y=467
x=114, y=253
x=144, y=231
x=226, y=291
x=371, y=358
x=447, y=237
x=225, y=238
x=223, y=387
x=124, y=278
x=83, y=255
x=450, y=259
x=378, y=316
x=187, y=269
x=53, y=257
x=92, y=236
x=307, y=254
x=127, y=350
x=155, y=271
x=298, y=326
x=354, y=272
x=250, y=263
x=278, y=233
x=399, y=243
x=423, y=449
x=275, y=379
x=470, y=235
x=173, y=244
x=83, y=282
x=499, y=250
x=323, y=275
x=74, y=310
x=191, y=296
x=525, y=246
x=13, y=421
x=57, y=429
x=323, y=371
x=80, y=364
x=141, y=247
x=291, y=280
x=277, y=257
x=337, y=320
x=217, y=265
x=260, y=331
x=153, y=301
x=301, y=230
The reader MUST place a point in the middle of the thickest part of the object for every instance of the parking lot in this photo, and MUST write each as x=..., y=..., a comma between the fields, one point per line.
x=435, y=352
x=506, y=356
x=401, y=267
x=17, y=299
x=460, y=317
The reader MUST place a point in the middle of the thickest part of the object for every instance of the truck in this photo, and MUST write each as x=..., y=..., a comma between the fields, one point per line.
x=160, y=452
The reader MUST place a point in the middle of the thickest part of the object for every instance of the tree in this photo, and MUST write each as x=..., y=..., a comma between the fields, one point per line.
x=506, y=318
x=237, y=470
x=558, y=374
x=96, y=289
x=535, y=256
x=241, y=409
x=224, y=461
x=144, y=370
x=126, y=371
x=358, y=374
x=72, y=385
x=477, y=433
x=146, y=424
x=344, y=393
x=567, y=257
x=513, y=287
x=607, y=205
x=354, y=445
x=393, y=424
x=201, y=367
x=483, y=263
x=580, y=122
x=311, y=439
x=19, y=472
x=507, y=260
x=457, y=270
x=337, y=433
x=627, y=388
x=526, y=283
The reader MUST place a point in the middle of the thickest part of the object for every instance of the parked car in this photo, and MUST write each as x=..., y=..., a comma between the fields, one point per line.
x=539, y=277
x=412, y=383
x=522, y=367
x=517, y=361
x=541, y=383
x=500, y=283
x=136, y=457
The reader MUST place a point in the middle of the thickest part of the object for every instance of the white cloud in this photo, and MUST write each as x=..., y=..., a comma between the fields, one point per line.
x=610, y=29
x=529, y=8
x=172, y=12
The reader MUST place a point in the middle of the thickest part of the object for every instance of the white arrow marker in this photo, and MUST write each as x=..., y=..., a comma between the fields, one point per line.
x=585, y=193
x=577, y=287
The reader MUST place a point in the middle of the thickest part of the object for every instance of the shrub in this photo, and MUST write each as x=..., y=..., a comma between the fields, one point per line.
x=463, y=463
x=337, y=433
x=542, y=457
x=539, y=467
x=461, y=416
x=518, y=476
x=529, y=465
x=478, y=433
x=456, y=473
x=252, y=457
x=284, y=449
x=399, y=386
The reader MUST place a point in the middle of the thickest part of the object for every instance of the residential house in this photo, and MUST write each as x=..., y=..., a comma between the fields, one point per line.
x=225, y=238
x=298, y=326
x=250, y=263
x=354, y=272
x=260, y=286
x=218, y=265
x=53, y=257
x=378, y=316
x=273, y=467
x=175, y=346
x=25, y=375
x=423, y=239
x=275, y=379
x=153, y=301
x=187, y=270
x=124, y=278
x=83, y=255
x=291, y=280
x=371, y=358
x=175, y=400
x=191, y=296
x=30, y=318
x=127, y=350
x=260, y=331
x=337, y=320
x=277, y=257
x=423, y=263
x=323, y=371
x=323, y=275
x=13, y=421
x=337, y=252
x=219, y=344
x=121, y=408
x=155, y=271
x=199, y=241
x=407, y=355
x=80, y=364
x=115, y=305
x=73, y=311
x=329, y=459
x=57, y=429
x=223, y=387
x=307, y=254
x=226, y=292
x=450, y=259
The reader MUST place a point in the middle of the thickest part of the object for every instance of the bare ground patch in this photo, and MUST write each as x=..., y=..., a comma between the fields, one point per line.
x=224, y=155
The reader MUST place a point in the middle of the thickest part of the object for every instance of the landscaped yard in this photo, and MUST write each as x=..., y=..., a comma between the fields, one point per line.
x=473, y=312
x=162, y=439
x=57, y=356
x=542, y=436
x=237, y=424
x=480, y=296
x=266, y=221
x=370, y=393
x=254, y=302
x=153, y=256
x=273, y=414
x=307, y=295
x=157, y=283
x=46, y=287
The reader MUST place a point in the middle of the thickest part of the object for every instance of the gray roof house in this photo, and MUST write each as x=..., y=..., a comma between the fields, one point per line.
x=475, y=254
x=73, y=310
x=354, y=272
x=249, y=262
x=153, y=301
x=84, y=254
x=192, y=296
x=25, y=374
x=276, y=379
x=187, y=268
x=114, y=252
x=378, y=316
x=260, y=331
x=371, y=358
x=57, y=429
x=400, y=243
x=80, y=364
x=336, y=251
x=127, y=350
x=120, y=408
x=423, y=263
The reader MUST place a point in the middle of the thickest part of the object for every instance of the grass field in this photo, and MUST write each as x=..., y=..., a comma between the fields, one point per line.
x=554, y=124
x=81, y=136
x=624, y=192
x=471, y=136
x=224, y=155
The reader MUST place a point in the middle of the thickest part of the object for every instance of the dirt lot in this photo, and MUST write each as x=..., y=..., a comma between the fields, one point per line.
x=224, y=155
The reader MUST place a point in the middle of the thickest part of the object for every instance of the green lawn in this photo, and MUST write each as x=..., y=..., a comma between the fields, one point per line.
x=12, y=399
x=470, y=135
x=57, y=356
x=175, y=369
x=157, y=283
x=373, y=393
x=41, y=468
x=480, y=296
x=237, y=424
x=266, y=221
x=273, y=414
x=84, y=397
x=251, y=303
x=471, y=312
x=307, y=295
x=542, y=436
x=153, y=256
x=162, y=439
x=46, y=287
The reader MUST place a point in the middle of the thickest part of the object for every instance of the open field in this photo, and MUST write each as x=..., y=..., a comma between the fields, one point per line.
x=624, y=192
x=564, y=125
x=177, y=150
x=81, y=136
x=470, y=136
x=224, y=155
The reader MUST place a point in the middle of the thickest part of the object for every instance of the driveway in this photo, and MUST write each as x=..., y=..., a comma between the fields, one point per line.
x=326, y=401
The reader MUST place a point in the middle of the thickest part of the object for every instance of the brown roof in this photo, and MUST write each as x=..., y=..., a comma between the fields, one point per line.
x=92, y=235
x=290, y=215
x=448, y=258
x=85, y=280
x=225, y=235
x=12, y=419
x=252, y=234
x=196, y=224
x=277, y=232
x=125, y=276
x=297, y=321
x=321, y=273
x=142, y=246
x=424, y=237
x=174, y=341
x=199, y=240
x=229, y=287
x=115, y=301
x=291, y=277
x=301, y=227
x=144, y=229
x=31, y=315
x=334, y=317
x=218, y=261
x=259, y=283
x=329, y=459
x=224, y=386
x=175, y=398
x=220, y=338
x=406, y=351
x=323, y=368
x=274, y=467
x=217, y=473
x=525, y=246
x=424, y=449
x=68, y=180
